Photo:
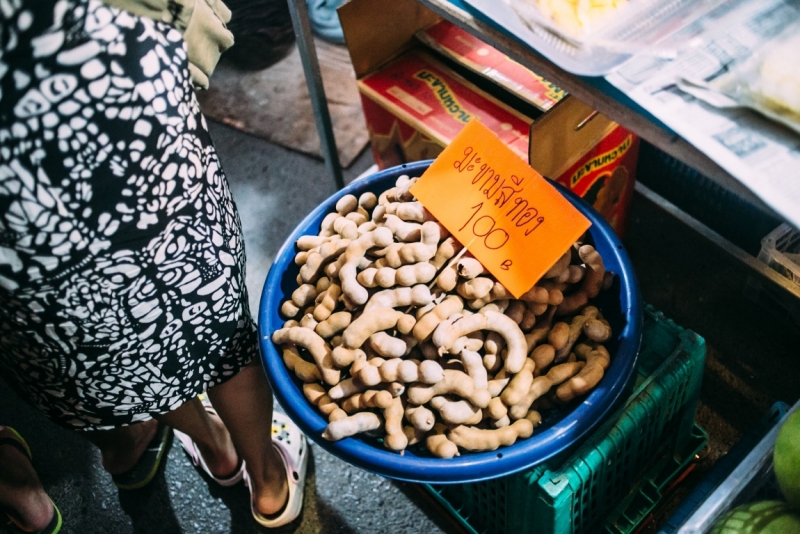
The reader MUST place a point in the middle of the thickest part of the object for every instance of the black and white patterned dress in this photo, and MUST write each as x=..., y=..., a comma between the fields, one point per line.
x=121, y=256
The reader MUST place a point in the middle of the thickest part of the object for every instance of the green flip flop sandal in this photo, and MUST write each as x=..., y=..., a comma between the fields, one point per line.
x=146, y=467
x=19, y=443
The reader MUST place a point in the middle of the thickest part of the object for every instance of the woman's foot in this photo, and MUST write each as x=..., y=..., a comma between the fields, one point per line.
x=122, y=447
x=270, y=489
x=22, y=496
x=217, y=449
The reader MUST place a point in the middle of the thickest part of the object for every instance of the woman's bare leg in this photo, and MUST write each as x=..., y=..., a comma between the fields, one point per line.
x=122, y=447
x=245, y=404
x=21, y=492
x=208, y=433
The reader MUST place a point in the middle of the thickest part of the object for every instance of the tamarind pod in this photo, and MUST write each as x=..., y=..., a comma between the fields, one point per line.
x=370, y=398
x=500, y=423
x=358, y=219
x=420, y=417
x=313, y=392
x=528, y=320
x=564, y=371
x=453, y=382
x=387, y=345
x=572, y=303
x=430, y=372
x=448, y=332
x=395, y=439
x=492, y=362
x=307, y=242
x=379, y=213
x=551, y=285
x=351, y=425
x=357, y=333
x=469, y=268
x=289, y=309
x=328, y=252
x=446, y=250
x=325, y=308
x=441, y=447
x=519, y=385
x=476, y=439
x=496, y=409
x=366, y=227
x=315, y=345
x=308, y=321
x=414, y=435
x=599, y=356
x=395, y=388
x=417, y=273
x=336, y=415
x=575, y=330
x=558, y=336
x=467, y=343
x=516, y=311
x=560, y=265
x=555, y=297
x=499, y=292
x=334, y=324
x=597, y=330
x=576, y=274
x=539, y=309
x=534, y=417
x=323, y=283
x=456, y=412
x=403, y=231
x=346, y=388
x=429, y=351
x=543, y=356
x=448, y=278
x=343, y=356
x=326, y=226
x=345, y=228
x=536, y=294
x=499, y=306
x=368, y=200
x=580, y=384
x=418, y=295
x=595, y=270
x=494, y=343
x=346, y=204
x=300, y=258
x=476, y=288
x=539, y=386
x=290, y=323
x=380, y=237
x=496, y=385
x=427, y=323
x=473, y=364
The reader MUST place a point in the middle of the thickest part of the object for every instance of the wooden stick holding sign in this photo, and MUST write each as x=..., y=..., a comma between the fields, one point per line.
x=516, y=223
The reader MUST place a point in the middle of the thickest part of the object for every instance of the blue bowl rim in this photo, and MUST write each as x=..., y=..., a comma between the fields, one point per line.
x=469, y=467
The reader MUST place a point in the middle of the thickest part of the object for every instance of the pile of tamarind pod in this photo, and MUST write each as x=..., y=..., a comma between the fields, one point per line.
x=394, y=333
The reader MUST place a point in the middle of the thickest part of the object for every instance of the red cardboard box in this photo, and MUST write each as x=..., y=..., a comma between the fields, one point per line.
x=468, y=50
x=414, y=107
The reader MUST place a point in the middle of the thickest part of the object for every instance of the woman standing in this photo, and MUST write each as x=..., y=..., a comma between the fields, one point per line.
x=122, y=293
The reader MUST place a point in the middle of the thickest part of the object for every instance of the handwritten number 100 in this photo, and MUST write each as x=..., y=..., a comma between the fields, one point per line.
x=484, y=226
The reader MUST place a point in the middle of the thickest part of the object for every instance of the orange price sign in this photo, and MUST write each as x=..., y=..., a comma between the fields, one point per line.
x=504, y=212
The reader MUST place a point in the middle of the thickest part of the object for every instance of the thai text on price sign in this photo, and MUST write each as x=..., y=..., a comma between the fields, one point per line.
x=504, y=212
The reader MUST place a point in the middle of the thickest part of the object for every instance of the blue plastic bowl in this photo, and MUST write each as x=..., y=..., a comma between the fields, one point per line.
x=621, y=306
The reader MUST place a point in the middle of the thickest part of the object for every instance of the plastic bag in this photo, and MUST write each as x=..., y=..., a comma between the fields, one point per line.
x=769, y=80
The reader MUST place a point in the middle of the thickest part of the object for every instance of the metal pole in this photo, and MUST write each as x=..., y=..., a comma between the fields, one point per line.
x=308, y=55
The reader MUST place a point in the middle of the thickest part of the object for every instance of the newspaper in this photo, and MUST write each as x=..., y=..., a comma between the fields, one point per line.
x=762, y=155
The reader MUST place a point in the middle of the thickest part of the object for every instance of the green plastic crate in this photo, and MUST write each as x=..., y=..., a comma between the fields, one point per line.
x=611, y=481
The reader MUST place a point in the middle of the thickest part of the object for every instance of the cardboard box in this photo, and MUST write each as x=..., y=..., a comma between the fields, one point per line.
x=414, y=105
x=591, y=155
x=466, y=49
